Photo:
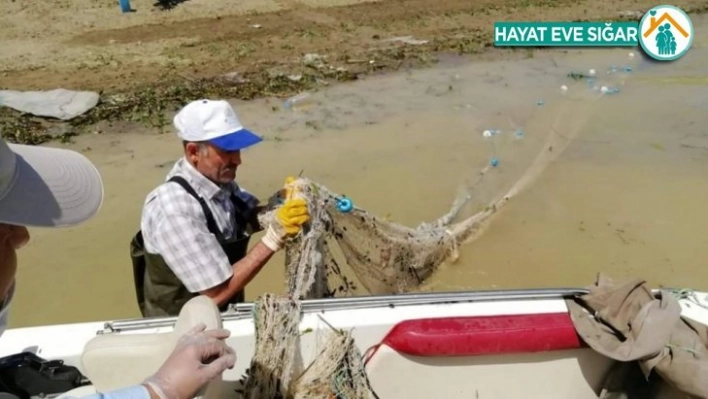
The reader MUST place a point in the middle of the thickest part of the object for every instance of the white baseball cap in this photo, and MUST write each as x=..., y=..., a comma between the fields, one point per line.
x=47, y=187
x=216, y=122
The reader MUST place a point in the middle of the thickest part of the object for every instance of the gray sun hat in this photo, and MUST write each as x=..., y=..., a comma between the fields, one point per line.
x=47, y=187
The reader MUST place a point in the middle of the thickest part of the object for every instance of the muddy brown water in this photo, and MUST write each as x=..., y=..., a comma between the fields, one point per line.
x=627, y=197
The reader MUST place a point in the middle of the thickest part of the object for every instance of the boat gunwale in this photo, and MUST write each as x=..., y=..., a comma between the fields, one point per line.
x=243, y=311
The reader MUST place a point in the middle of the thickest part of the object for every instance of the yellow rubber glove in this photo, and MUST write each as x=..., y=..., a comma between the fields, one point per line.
x=289, y=218
x=292, y=215
x=289, y=189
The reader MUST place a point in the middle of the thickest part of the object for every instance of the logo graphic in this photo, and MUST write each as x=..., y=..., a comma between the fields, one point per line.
x=666, y=33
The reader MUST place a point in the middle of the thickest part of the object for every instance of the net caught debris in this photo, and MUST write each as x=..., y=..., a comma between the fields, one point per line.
x=386, y=258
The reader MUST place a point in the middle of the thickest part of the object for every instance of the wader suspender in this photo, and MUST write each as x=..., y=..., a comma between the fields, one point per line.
x=240, y=206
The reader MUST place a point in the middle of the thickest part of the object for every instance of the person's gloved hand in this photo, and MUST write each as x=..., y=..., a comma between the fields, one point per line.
x=289, y=218
x=184, y=372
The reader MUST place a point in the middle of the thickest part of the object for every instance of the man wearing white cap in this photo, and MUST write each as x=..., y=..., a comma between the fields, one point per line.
x=196, y=226
x=49, y=187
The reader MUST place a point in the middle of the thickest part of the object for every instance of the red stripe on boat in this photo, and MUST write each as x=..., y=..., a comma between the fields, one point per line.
x=484, y=335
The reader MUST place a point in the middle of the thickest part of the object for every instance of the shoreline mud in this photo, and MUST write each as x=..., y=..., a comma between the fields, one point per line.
x=327, y=45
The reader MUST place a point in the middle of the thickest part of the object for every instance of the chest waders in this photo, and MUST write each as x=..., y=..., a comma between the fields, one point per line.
x=159, y=292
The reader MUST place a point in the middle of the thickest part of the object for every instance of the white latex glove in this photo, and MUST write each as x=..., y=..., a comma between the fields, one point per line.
x=184, y=373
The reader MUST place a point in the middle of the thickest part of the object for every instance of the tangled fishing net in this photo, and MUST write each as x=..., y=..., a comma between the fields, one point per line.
x=385, y=257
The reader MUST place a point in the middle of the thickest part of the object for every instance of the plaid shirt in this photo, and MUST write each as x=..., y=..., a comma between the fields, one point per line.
x=174, y=226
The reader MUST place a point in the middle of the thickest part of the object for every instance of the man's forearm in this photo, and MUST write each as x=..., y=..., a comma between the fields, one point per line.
x=244, y=271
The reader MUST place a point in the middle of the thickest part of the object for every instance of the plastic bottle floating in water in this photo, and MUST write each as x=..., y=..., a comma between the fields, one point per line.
x=344, y=204
x=494, y=162
x=609, y=90
x=301, y=100
x=519, y=134
x=614, y=68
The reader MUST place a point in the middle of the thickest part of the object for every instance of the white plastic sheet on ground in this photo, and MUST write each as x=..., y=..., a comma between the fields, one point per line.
x=59, y=103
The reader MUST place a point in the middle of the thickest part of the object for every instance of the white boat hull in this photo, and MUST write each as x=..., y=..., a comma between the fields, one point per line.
x=505, y=344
